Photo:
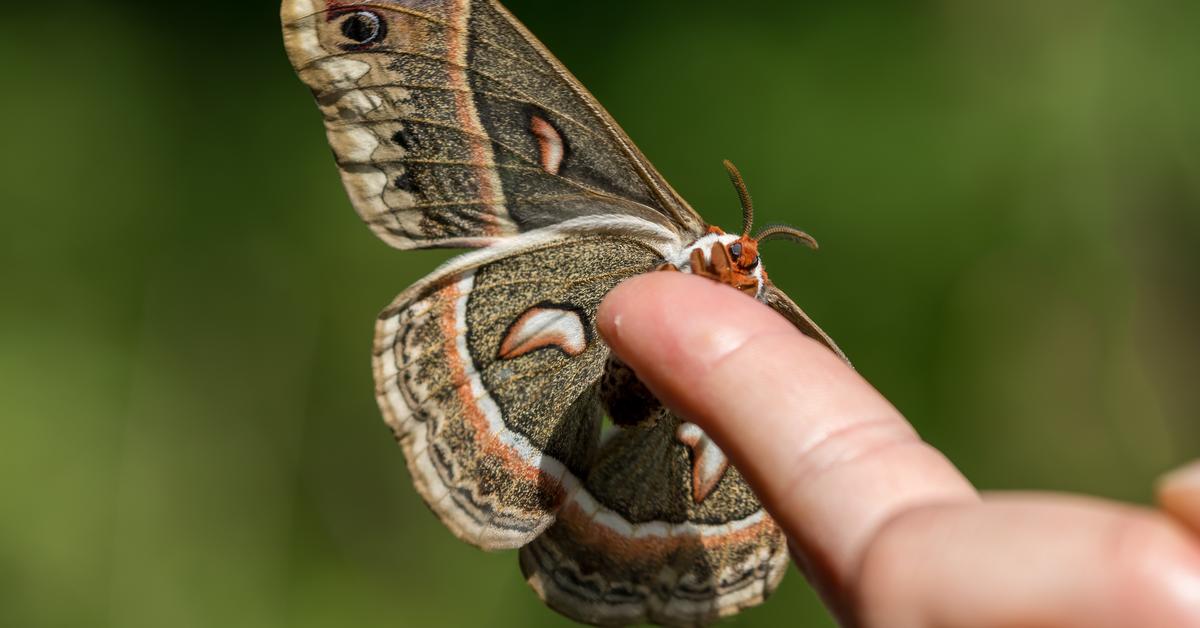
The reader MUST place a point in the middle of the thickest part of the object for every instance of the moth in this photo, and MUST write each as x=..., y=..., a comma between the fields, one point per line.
x=452, y=126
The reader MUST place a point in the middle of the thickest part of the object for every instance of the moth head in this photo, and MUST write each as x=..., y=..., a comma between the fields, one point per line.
x=734, y=259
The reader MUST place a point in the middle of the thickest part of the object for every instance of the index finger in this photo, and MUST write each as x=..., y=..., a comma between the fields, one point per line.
x=829, y=457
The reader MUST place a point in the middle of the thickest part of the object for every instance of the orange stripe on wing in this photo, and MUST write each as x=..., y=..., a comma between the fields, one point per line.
x=588, y=532
x=488, y=441
x=482, y=158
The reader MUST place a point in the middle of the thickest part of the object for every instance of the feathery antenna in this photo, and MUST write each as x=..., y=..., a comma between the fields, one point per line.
x=788, y=233
x=744, y=195
x=776, y=232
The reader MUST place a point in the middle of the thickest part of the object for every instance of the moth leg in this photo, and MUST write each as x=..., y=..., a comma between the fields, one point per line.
x=722, y=264
x=699, y=266
x=697, y=262
x=667, y=267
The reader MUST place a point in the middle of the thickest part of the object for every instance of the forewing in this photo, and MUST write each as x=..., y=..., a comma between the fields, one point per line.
x=634, y=545
x=453, y=126
x=780, y=302
x=486, y=372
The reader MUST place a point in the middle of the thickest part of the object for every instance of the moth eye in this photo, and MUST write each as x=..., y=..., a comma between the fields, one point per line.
x=363, y=27
x=735, y=250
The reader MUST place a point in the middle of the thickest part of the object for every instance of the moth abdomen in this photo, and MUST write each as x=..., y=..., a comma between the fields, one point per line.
x=626, y=399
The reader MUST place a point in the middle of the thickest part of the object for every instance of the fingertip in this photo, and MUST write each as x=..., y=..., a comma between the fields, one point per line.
x=624, y=317
x=660, y=323
x=621, y=307
x=1179, y=494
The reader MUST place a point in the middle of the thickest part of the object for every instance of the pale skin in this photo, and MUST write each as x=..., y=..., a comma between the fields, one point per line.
x=882, y=523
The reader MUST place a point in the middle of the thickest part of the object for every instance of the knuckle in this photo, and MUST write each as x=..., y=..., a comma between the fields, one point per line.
x=1154, y=571
x=1143, y=548
x=843, y=446
x=883, y=592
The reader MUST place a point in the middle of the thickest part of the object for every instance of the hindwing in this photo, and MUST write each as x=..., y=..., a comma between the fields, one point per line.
x=453, y=126
x=489, y=373
x=640, y=544
x=486, y=372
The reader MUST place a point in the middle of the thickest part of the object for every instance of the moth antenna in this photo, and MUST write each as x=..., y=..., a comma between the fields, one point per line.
x=787, y=233
x=744, y=195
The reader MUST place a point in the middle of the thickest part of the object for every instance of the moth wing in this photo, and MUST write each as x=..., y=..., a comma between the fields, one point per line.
x=780, y=302
x=634, y=545
x=486, y=373
x=453, y=126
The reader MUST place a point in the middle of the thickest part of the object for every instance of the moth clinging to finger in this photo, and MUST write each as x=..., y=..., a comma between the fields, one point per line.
x=452, y=126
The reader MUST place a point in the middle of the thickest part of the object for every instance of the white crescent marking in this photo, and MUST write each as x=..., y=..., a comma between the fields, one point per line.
x=545, y=326
x=550, y=143
x=709, y=462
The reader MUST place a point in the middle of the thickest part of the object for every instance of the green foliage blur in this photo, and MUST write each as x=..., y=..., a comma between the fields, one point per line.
x=1007, y=195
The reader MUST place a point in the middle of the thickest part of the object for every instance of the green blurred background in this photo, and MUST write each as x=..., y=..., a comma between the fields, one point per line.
x=1007, y=195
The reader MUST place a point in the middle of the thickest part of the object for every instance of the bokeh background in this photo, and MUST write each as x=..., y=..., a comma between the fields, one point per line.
x=1007, y=195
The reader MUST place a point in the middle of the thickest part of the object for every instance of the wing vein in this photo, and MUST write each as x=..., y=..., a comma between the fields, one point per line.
x=600, y=194
x=524, y=101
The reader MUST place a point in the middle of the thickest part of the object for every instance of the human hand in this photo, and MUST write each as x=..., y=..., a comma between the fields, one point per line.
x=883, y=525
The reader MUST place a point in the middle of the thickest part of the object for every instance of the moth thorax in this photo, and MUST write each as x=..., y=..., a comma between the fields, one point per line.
x=724, y=257
x=704, y=246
